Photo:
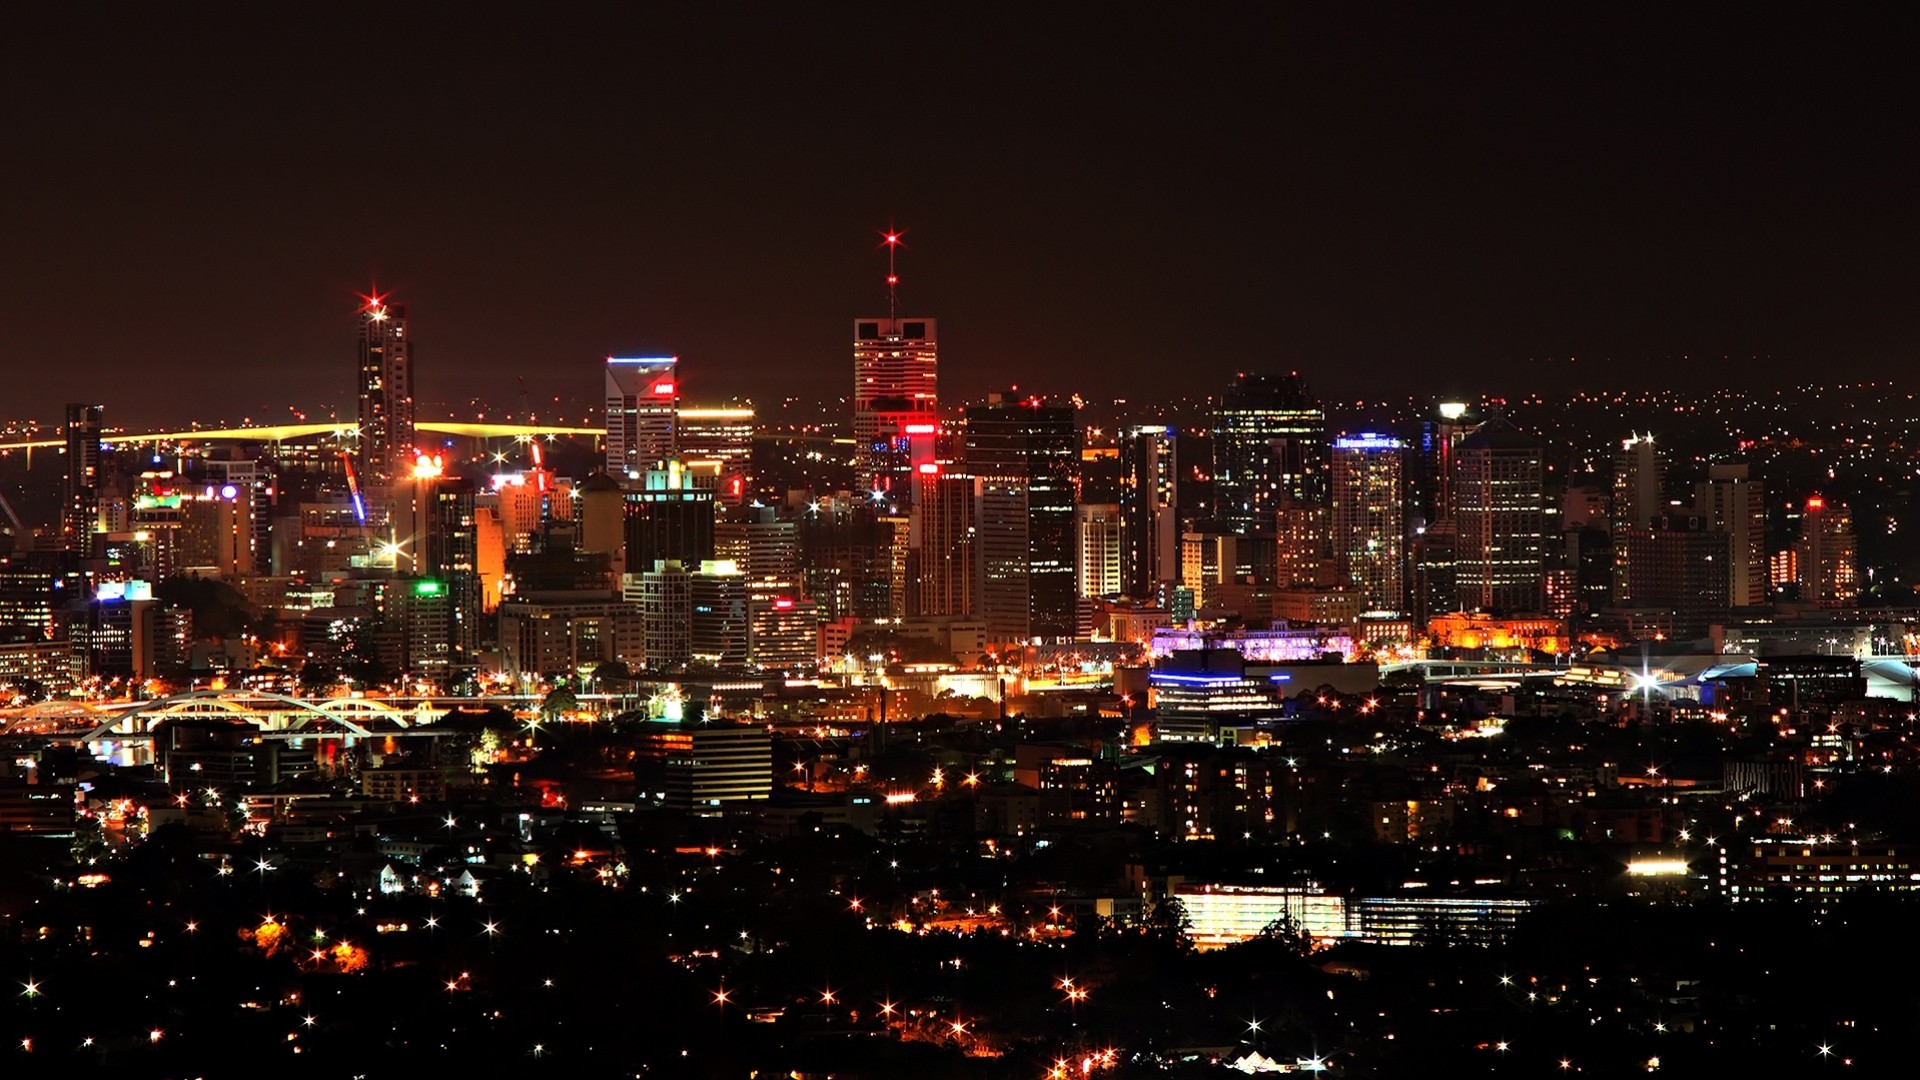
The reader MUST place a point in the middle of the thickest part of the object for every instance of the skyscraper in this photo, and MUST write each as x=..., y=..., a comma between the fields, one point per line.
x=386, y=393
x=643, y=400
x=1023, y=454
x=1149, y=508
x=1824, y=555
x=669, y=518
x=82, y=509
x=895, y=396
x=723, y=437
x=1099, y=549
x=1735, y=503
x=1637, y=479
x=1369, y=518
x=1269, y=441
x=941, y=580
x=1500, y=513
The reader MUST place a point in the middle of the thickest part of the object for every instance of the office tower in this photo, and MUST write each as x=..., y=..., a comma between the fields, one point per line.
x=895, y=395
x=1369, y=518
x=214, y=534
x=847, y=557
x=559, y=633
x=35, y=586
x=1732, y=501
x=1100, y=544
x=1638, y=474
x=1678, y=563
x=643, y=398
x=940, y=580
x=707, y=768
x=1824, y=555
x=764, y=548
x=720, y=438
x=1303, y=542
x=783, y=631
x=1637, y=479
x=386, y=393
x=253, y=478
x=1269, y=442
x=1440, y=435
x=1435, y=588
x=1208, y=560
x=1588, y=555
x=1150, y=476
x=665, y=595
x=79, y=519
x=668, y=518
x=718, y=622
x=1023, y=454
x=450, y=556
x=1499, y=512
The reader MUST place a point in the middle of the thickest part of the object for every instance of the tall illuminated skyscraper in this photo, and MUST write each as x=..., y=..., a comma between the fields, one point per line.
x=1149, y=508
x=643, y=400
x=896, y=365
x=1024, y=455
x=1733, y=501
x=386, y=392
x=1825, y=554
x=1369, y=518
x=1500, y=511
x=82, y=511
x=1269, y=443
x=895, y=375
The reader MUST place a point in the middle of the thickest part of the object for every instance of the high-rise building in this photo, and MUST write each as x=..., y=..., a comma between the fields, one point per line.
x=1150, y=480
x=1678, y=563
x=1023, y=454
x=895, y=402
x=665, y=595
x=1500, y=514
x=1269, y=442
x=1735, y=503
x=79, y=519
x=643, y=402
x=449, y=555
x=1303, y=542
x=710, y=767
x=1369, y=518
x=783, y=630
x=1100, y=543
x=1824, y=555
x=386, y=393
x=940, y=580
x=852, y=558
x=1638, y=475
x=720, y=438
x=669, y=518
x=719, y=594
x=1440, y=435
x=763, y=547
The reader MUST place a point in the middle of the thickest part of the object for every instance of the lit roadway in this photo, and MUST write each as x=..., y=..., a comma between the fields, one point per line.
x=285, y=432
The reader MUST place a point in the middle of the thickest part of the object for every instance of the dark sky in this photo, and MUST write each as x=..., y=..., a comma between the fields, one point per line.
x=1126, y=199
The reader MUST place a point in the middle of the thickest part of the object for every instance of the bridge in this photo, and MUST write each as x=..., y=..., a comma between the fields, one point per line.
x=331, y=428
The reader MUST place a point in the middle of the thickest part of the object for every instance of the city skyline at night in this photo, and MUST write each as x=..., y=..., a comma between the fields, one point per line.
x=1361, y=541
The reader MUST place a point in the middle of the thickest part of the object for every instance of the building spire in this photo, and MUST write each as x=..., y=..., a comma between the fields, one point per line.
x=891, y=238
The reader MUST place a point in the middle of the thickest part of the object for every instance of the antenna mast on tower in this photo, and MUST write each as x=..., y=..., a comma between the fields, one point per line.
x=892, y=241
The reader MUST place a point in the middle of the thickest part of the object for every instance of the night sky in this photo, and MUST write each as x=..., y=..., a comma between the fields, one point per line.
x=1133, y=200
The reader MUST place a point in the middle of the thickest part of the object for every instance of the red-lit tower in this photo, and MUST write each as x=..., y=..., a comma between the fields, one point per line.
x=895, y=393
